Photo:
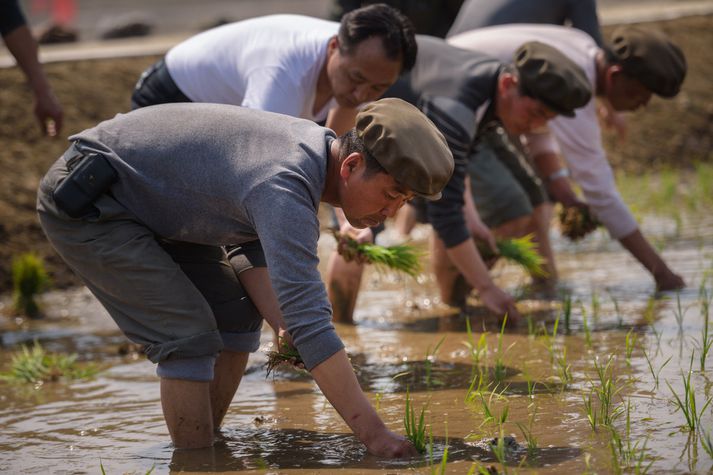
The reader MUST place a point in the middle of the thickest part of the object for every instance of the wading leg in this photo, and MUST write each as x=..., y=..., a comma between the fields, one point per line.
x=186, y=408
x=229, y=370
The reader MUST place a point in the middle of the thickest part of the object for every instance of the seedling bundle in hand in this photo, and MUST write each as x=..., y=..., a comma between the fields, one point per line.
x=521, y=251
x=576, y=222
x=285, y=355
x=402, y=257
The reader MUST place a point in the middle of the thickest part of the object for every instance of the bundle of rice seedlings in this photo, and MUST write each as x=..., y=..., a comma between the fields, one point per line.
x=402, y=257
x=285, y=355
x=34, y=364
x=29, y=278
x=576, y=222
x=521, y=251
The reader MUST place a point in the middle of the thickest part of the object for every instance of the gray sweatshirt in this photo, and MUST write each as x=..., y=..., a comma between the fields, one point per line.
x=218, y=174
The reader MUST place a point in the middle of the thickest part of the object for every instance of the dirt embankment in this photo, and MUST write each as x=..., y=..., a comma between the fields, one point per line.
x=676, y=132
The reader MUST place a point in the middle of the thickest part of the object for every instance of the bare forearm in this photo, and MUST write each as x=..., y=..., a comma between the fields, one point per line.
x=336, y=378
x=23, y=47
x=467, y=260
x=640, y=248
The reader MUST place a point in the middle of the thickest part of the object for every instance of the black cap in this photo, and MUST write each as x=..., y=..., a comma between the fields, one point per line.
x=552, y=78
x=651, y=58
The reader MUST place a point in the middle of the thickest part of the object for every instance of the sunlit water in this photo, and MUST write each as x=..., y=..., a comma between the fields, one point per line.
x=283, y=424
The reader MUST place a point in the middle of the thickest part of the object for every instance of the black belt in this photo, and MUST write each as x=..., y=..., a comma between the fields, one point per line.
x=90, y=176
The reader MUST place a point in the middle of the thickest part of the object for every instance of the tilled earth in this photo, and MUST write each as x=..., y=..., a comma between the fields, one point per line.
x=675, y=133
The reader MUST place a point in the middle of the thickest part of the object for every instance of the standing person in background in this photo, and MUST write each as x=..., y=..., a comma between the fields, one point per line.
x=23, y=47
x=291, y=64
x=635, y=65
x=581, y=14
x=429, y=17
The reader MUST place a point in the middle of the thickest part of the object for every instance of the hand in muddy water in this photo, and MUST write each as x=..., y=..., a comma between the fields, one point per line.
x=500, y=303
x=669, y=281
x=391, y=445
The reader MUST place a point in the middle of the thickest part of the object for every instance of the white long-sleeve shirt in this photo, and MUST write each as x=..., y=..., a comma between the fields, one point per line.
x=577, y=139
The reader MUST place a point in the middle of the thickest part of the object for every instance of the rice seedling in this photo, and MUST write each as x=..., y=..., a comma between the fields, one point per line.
x=587, y=332
x=29, y=278
x=679, y=313
x=35, y=365
x=477, y=350
x=563, y=368
x=617, y=311
x=706, y=341
x=441, y=470
x=606, y=391
x=596, y=304
x=655, y=374
x=430, y=358
x=592, y=413
x=521, y=251
x=530, y=439
x=403, y=257
x=567, y=310
x=650, y=311
x=706, y=442
x=286, y=355
x=686, y=403
x=576, y=222
x=414, y=427
x=625, y=455
x=377, y=401
x=500, y=370
x=630, y=342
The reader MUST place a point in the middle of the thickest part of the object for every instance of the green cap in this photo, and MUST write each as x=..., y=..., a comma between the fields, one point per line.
x=651, y=58
x=407, y=145
x=552, y=78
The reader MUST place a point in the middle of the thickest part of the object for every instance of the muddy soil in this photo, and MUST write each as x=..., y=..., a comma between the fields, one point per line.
x=676, y=133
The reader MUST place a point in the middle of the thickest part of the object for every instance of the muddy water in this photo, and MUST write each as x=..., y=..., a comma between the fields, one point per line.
x=284, y=425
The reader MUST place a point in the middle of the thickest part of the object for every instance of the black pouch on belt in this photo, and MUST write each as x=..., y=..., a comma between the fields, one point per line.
x=84, y=184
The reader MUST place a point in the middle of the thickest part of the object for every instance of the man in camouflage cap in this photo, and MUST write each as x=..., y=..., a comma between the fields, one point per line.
x=185, y=179
x=637, y=64
x=468, y=96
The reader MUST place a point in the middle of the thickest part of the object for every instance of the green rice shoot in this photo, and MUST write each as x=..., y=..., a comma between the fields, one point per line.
x=415, y=429
x=29, y=278
x=35, y=365
x=402, y=258
x=521, y=251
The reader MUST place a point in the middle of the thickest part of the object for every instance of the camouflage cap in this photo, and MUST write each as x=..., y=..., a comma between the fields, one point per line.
x=407, y=145
x=549, y=76
x=651, y=58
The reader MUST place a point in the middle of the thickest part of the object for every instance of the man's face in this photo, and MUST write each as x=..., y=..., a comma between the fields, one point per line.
x=624, y=92
x=362, y=76
x=519, y=113
x=368, y=200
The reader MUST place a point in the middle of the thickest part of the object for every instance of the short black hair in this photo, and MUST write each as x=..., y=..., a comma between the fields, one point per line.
x=349, y=143
x=393, y=27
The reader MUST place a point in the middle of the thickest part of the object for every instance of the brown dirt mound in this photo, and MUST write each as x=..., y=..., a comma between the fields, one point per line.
x=677, y=132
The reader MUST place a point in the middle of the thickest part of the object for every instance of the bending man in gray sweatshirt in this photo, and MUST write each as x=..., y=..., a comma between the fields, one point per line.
x=184, y=179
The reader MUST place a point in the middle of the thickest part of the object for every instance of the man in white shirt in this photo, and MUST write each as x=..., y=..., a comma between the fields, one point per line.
x=637, y=64
x=291, y=64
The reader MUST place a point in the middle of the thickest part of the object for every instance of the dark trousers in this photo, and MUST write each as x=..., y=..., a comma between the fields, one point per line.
x=155, y=86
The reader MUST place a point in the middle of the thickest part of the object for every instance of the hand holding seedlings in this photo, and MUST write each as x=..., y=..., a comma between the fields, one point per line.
x=521, y=251
x=576, y=222
x=286, y=354
x=402, y=258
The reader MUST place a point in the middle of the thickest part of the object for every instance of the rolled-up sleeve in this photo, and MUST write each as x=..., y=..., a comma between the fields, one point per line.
x=580, y=142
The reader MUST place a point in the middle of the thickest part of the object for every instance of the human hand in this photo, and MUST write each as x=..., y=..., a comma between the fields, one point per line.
x=667, y=280
x=499, y=302
x=49, y=113
x=391, y=445
x=359, y=235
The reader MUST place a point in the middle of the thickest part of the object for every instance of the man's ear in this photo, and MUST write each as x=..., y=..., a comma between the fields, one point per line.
x=507, y=82
x=350, y=164
x=333, y=45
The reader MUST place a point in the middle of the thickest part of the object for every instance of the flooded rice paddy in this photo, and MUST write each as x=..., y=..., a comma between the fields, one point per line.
x=594, y=396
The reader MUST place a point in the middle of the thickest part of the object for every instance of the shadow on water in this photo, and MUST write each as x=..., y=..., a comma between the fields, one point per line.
x=281, y=449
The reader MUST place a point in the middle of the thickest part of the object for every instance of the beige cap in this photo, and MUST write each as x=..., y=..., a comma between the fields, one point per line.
x=407, y=145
